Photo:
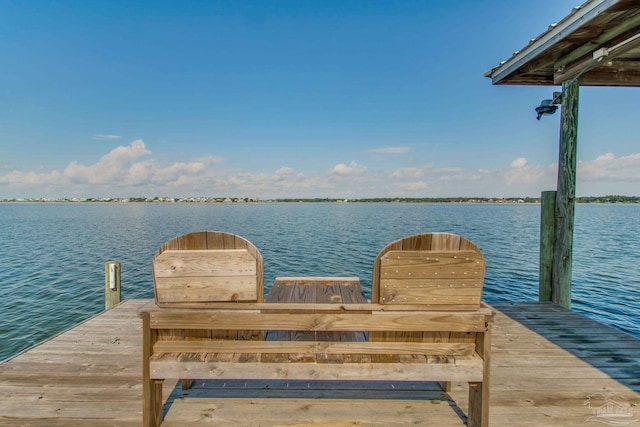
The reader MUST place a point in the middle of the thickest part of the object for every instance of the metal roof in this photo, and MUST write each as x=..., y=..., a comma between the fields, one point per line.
x=599, y=42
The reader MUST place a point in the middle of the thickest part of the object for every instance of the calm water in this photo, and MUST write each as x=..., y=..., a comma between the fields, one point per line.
x=52, y=255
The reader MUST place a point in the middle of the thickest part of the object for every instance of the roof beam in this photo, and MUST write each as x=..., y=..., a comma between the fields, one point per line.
x=621, y=73
x=594, y=44
x=595, y=60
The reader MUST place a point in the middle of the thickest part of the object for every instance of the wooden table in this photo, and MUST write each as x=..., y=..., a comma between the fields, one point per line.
x=316, y=290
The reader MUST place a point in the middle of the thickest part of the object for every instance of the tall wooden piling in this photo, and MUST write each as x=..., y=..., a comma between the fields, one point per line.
x=565, y=196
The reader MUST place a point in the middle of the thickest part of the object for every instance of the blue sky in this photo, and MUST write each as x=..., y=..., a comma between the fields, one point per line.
x=346, y=99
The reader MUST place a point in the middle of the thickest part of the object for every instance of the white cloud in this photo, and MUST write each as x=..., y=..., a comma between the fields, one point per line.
x=608, y=167
x=283, y=174
x=133, y=170
x=412, y=172
x=520, y=162
x=121, y=169
x=521, y=173
x=284, y=171
x=352, y=169
x=139, y=173
x=209, y=160
x=111, y=168
x=30, y=178
x=103, y=136
x=390, y=150
x=177, y=170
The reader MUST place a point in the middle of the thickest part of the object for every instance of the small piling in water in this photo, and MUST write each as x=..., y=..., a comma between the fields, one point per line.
x=112, y=289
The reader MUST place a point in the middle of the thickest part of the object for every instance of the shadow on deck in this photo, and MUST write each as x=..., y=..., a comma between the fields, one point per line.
x=611, y=351
x=557, y=367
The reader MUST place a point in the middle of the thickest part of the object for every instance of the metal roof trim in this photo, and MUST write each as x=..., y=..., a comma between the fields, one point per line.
x=556, y=32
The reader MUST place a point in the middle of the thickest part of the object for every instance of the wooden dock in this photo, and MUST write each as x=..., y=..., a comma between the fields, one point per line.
x=550, y=367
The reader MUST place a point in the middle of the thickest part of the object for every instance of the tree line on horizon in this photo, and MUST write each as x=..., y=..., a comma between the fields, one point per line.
x=587, y=199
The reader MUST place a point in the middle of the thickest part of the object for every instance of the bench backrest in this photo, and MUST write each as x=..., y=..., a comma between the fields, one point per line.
x=206, y=267
x=439, y=270
x=435, y=271
x=441, y=279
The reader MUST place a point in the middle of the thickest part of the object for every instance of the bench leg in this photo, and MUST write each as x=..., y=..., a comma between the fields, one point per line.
x=151, y=388
x=445, y=386
x=152, y=397
x=479, y=391
x=478, y=415
x=186, y=384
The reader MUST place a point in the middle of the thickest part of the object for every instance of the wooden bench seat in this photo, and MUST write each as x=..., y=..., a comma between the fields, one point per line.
x=461, y=354
x=319, y=366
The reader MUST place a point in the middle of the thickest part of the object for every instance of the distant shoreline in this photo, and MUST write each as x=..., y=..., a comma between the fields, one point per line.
x=609, y=199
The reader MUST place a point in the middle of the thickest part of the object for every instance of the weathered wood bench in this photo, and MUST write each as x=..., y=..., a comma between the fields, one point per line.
x=466, y=359
x=410, y=338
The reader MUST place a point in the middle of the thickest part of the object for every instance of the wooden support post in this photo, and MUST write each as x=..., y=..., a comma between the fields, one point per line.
x=565, y=196
x=112, y=289
x=479, y=404
x=151, y=389
x=547, y=237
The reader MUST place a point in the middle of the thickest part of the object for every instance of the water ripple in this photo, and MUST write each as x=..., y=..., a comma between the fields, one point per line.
x=53, y=255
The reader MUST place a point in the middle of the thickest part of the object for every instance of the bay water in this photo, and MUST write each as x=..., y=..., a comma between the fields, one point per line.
x=52, y=255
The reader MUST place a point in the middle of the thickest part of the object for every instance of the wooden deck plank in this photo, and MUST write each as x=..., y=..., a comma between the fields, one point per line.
x=269, y=412
x=546, y=362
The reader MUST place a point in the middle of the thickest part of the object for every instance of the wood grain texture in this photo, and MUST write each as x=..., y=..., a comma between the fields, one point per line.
x=547, y=237
x=219, y=243
x=308, y=320
x=200, y=276
x=565, y=196
x=432, y=277
x=304, y=369
x=545, y=362
x=324, y=344
x=419, y=242
x=315, y=347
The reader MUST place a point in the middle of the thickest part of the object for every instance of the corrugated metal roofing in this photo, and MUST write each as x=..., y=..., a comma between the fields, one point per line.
x=566, y=48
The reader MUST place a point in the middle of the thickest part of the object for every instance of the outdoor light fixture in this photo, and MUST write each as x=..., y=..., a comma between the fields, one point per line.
x=575, y=71
x=546, y=107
